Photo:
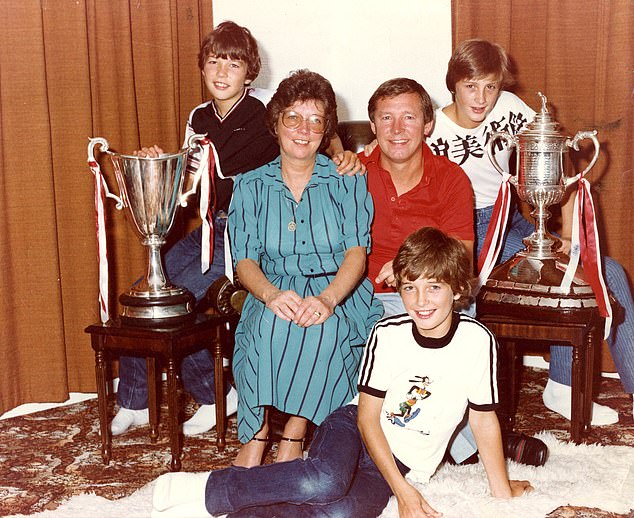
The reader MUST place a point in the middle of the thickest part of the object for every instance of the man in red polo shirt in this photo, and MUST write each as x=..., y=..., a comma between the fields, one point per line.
x=411, y=187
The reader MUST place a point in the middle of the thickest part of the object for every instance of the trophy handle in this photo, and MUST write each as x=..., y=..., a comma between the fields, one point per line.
x=574, y=144
x=511, y=141
x=103, y=143
x=194, y=139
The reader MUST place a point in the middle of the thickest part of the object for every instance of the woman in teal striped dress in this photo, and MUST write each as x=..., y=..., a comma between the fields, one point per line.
x=299, y=235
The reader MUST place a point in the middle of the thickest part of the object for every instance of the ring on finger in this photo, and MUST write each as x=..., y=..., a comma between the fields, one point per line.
x=317, y=314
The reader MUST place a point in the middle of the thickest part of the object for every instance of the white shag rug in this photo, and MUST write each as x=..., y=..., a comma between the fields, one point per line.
x=579, y=475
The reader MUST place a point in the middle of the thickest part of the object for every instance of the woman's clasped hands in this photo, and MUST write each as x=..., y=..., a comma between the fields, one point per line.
x=306, y=312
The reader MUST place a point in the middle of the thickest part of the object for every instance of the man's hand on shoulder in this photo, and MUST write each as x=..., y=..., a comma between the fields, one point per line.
x=348, y=163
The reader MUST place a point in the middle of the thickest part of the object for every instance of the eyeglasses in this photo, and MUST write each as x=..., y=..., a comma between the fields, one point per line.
x=293, y=120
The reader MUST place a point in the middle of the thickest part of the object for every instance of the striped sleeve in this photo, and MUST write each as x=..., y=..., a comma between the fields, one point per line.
x=358, y=211
x=243, y=219
x=374, y=378
x=483, y=392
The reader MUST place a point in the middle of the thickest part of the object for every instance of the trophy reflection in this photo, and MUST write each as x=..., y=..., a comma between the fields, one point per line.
x=151, y=191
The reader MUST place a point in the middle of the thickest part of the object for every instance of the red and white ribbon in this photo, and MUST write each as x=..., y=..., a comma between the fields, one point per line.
x=495, y=232
x=102, y=251
x=209, y=164
x=585, y=244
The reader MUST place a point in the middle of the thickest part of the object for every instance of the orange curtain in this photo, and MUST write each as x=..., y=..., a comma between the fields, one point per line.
x=70, y=70
x=579, y=53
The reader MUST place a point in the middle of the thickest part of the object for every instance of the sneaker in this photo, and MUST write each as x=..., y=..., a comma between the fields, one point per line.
x=523, y=449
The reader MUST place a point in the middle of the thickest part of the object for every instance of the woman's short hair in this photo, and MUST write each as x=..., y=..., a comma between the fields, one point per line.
x=299, y=86
x=474, y=59
x=399, y=86
x=231, y=41
x=431, y=253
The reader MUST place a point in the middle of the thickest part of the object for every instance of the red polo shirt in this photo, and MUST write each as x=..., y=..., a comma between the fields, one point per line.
x=442, y=199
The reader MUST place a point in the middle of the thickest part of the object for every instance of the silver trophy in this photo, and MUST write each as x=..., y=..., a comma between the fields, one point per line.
x=151, y=190
x=533, y=277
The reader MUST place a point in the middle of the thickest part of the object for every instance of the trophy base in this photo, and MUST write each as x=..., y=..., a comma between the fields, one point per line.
x=173, y=308
x=533, y=285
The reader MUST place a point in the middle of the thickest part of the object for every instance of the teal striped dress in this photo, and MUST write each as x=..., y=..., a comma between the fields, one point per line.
x=299, y=246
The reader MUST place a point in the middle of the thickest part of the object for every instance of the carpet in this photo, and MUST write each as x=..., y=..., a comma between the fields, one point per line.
x=53, y=457
x=588, y=477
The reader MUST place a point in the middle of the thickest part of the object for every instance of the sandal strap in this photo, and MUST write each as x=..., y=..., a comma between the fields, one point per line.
x=289, y=439
x=261, y=440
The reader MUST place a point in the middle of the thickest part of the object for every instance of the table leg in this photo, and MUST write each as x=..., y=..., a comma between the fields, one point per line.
x=506, y=384
x=172, y=415
x=102, y=397
x=592, y=344
x=577, y=389
x=150, y=362
x=218, y=335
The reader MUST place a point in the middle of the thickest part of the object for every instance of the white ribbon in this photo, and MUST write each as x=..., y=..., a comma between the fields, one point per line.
x=102, y=251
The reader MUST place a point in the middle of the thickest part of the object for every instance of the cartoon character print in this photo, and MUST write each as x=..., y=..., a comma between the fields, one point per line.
x=407, y=412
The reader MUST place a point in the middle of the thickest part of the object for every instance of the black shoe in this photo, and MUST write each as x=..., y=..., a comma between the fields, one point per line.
x=523, y=449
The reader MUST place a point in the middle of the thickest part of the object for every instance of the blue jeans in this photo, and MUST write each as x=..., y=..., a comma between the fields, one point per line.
x=337, y=479
x=182, y=267
x=621, y=339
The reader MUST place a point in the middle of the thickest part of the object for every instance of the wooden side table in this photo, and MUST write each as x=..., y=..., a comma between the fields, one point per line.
x=169, y=345
x=580, y=329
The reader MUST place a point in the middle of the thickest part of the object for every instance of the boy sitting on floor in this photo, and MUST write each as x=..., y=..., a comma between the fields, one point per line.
x=419, y=374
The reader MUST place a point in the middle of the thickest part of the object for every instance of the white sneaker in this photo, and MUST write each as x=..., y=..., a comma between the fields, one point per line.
x=205, y=417
x=557, y=397
x=126, y=418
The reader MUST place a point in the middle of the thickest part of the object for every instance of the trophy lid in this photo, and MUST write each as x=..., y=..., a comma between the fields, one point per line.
x=543, y=125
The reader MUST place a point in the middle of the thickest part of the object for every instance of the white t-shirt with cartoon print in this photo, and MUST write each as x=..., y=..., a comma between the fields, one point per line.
x=426, y=384
x=468, y=147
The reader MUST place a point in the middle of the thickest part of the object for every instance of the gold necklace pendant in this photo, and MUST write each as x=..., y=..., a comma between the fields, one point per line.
x=292, y=226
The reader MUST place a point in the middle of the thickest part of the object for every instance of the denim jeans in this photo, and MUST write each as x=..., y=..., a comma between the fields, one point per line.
x=621, y=339
x=337, y=479
x=182, y=267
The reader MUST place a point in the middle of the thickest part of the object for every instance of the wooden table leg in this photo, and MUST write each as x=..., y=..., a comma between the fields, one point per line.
x=219, y=387
x=591, y=345
x=150, y=363
x=102, y=397
x=577, y=389
x=172, y=415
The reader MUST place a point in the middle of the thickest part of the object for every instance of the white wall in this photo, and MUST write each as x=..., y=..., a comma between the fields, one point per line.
x=356, y=44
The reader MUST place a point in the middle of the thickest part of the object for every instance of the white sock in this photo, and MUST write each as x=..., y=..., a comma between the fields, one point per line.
x=126, y=418
x=205, y=417
x=557, y=397
x=173, y=489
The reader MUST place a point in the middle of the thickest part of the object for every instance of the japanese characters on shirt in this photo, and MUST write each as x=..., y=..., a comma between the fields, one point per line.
x=468, y=147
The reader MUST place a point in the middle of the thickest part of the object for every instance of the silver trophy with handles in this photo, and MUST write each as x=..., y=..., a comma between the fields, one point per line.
x=151, y=191
x=539, y=275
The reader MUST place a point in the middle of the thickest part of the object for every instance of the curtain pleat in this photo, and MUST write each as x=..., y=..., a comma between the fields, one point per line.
x=125, y=71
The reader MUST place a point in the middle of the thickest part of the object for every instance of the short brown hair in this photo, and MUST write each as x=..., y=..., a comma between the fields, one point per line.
x=231, y=41
x=474, y=59
x=399, y=86
x=304, y=85
x=431, y=253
